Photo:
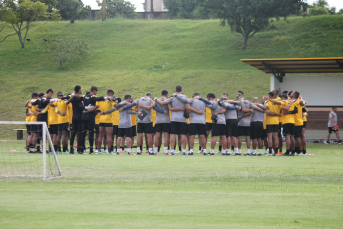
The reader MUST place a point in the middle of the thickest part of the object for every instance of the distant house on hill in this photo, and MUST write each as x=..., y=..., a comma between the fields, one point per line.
x=154, y=9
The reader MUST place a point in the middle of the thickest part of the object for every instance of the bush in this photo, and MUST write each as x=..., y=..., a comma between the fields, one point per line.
x=318, y=11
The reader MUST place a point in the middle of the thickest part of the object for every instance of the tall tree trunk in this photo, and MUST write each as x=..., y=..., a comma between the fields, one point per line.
x=73, y=16
x=103, y=10
x=152, y=5
x=245, y=41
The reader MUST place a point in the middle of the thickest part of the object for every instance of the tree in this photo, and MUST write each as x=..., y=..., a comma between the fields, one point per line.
x=340, y=11
x=115, y=8
x=67, y=7
x=66, y=50
x=20, y=14
x=249, y=17
x=321, y=3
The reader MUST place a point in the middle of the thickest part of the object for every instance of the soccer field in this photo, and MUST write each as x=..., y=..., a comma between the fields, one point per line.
x=106, y=191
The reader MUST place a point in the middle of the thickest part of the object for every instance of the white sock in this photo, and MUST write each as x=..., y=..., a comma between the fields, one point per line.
x=184, y=150
x=204, y=150
x=248, y=150
x=118, y=150
x=236, y=150
x=260, y=151
x=212, y=151
x=173, y=151
x=150, y=150
x=254, y=151
x=165, y=149
x=224, y=151
x=156, y=149
x=138, y=149
x=191, y=150
x=129, y=150
x=239, y=150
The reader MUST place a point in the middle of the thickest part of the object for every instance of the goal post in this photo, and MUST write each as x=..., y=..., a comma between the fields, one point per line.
x=16, y=161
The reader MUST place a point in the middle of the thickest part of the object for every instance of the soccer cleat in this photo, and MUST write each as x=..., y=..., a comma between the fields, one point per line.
x=91, y=153
x=211, y=154
x=96, y=151
x=280, y=153
x=327, y=142
x=139, y=153
x=224, y=154
x=259, y=154
x=253, y=154
x=204, y=154
x=57, y=152
x=178, y=152
x=238, y=154
x=184, y=154
x=302, y=154
x=167, y=154
x=228, y=154
x=172, y=153
x=200, y=151
x=118, y=153
x=286, y=154
x=340, y=142
x=247, y=154
x=151, y=153
x=265, y=152
x=123, y=150
x=190, y=153
x=219, y=152
x=71, y=151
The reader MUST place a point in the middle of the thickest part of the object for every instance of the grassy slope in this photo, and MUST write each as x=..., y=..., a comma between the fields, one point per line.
x=201, y=55
x=105, y=191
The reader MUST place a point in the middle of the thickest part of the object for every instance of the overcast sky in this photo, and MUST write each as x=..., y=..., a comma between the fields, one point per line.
x=139, y=7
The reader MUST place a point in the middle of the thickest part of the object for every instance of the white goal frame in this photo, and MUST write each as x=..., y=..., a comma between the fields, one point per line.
x=45, y=136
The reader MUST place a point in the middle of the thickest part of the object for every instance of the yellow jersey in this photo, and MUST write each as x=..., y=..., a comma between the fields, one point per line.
x=275, y=108
x=289, y=118
x=208, y=115
x=280, y=118
x=298, y=117
x=62, y=108
x=28, y=116
x=115, y=118
x=52, y=115
x=133, y=116
x=70, y=113
x=265, y=121
x=33, y=110
x=105, y=106
x=153, y=117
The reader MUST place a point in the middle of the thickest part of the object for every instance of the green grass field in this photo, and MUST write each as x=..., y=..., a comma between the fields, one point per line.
x=104, y=191
x=201, y=55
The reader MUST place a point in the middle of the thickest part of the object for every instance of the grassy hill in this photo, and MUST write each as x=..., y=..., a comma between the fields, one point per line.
x=127, y=55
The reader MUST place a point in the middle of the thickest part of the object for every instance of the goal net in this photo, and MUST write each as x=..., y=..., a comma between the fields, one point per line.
x=26, y=153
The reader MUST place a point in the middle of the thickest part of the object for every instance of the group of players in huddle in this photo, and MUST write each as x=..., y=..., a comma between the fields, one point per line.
x=170, y=118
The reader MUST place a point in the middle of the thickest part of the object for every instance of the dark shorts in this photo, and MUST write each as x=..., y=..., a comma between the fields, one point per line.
x=197, y=129
x=280, y=127
x=115, y=130
x=288, y=129
x=272, y=128
x=76, y=126
x=231, y=128
x=244, y=131
x=153, y=129
x=134, y=131
x=53, y=129
x=332, y=130
x=179, y=128
x=256, y=130
x=63, y=127
x=298, y=131
x=39, y=128
x=144, y=128
x=96, y=129
x=304, y=125
x=105, y=124
x=208, y=126
x=125, y=132
x=34, y=128
x=162, y=128
x=188, y=128
x=264, y=134
x=88, y=125
x=218, y=130
x=28, y=129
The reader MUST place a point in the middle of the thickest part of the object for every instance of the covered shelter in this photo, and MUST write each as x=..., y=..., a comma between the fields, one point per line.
x=315, y=78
